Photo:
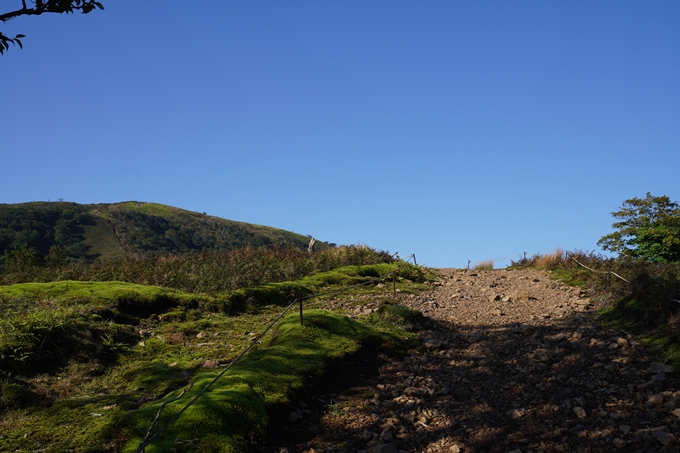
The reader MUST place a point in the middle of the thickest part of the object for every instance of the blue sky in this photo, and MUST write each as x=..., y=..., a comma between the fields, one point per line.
x=453, y=130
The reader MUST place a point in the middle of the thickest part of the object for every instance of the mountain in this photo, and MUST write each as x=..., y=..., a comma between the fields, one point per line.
x=105, y=231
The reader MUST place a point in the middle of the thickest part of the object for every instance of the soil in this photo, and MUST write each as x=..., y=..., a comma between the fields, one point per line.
x=515, y=362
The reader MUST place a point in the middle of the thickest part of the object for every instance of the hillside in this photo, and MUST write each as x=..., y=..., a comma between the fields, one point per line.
x=89, y=232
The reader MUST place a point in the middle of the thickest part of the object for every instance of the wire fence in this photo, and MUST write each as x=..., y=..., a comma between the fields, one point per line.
x=600, y=272
x=151, y=435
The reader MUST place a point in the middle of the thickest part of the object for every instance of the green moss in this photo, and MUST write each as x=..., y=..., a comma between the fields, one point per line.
x=15, y=396
x=110, y=357
x=571, y=277
x=235, y=410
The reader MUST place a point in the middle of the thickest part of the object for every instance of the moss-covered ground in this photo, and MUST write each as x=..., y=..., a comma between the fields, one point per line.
x=85, y=366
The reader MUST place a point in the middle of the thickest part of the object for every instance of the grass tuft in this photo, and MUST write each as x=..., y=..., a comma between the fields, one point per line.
x=485, y=265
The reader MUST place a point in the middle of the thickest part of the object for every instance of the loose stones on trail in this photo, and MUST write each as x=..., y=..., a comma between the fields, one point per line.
x=516, y=364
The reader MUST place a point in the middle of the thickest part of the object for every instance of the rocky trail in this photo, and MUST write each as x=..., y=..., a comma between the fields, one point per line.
x=515, y=363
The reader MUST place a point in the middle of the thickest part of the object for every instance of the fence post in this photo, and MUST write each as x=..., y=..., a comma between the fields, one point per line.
x=414, y=260
x=301, y=321
x=394, y=285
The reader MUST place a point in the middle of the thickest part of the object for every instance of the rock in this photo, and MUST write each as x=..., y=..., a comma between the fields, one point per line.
x=676, y=412
x=514, y=414
x=211, y=363
x=619, y=443
x=384, y=448
x=658, y=367
x=622, y=342
x=433, y=344
x=580, y=412
x=656, y=381
x=625, y=429
x=454, y=448
x=656, y=400
x=663, y=436
x=495, y=298
x=497, y=312
x=520, y=297
x=201, y=335
x=293, y=417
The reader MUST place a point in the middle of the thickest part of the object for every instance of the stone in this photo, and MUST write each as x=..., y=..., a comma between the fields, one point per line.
x=656, y=381
x=433, y=344
x=454, y=448
x=622, y=342
x=580, y=412
x=211, y=363
x=201, y=335
x=676, y=412
x=663, y=436
x=384, y=448
x=619, y=443
x=625, y=429
x=658, y=367
x=293, y=417
x=514, y=414
x=656, y=400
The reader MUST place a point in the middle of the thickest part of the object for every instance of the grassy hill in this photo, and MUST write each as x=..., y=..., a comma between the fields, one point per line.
x=88, y=232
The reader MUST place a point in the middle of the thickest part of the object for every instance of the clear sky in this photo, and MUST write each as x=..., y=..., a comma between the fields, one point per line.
x=453, y=130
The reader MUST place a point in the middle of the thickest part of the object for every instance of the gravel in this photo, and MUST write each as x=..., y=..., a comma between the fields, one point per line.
x=514, y=363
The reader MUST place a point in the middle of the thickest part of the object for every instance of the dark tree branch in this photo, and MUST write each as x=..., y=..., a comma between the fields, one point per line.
x=41, y=7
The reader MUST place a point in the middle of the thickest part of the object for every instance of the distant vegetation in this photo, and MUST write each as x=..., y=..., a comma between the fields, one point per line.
x=49, y=234
x=207, y=272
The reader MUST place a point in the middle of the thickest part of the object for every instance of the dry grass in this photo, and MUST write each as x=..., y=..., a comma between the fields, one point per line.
x=485, y=265
x=550, y=260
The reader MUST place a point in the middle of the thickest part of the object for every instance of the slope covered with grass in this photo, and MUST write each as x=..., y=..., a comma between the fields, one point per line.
x=86, y=365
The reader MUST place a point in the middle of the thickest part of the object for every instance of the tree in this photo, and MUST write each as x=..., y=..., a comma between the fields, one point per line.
x=41, y=7
x=649, y=229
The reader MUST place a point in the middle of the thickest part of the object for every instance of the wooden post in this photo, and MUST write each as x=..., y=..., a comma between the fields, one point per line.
x=301, y=320
x=394, y=285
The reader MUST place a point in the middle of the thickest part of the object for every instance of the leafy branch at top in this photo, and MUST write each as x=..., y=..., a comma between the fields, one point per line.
x=40, y=7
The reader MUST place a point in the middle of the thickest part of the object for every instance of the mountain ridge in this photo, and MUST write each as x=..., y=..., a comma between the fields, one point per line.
x=103, y=231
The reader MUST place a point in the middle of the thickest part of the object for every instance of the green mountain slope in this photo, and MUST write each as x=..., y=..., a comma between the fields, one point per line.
x=105, y=231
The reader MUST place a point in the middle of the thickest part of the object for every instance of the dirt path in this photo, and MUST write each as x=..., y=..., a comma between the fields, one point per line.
x=515, y=364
